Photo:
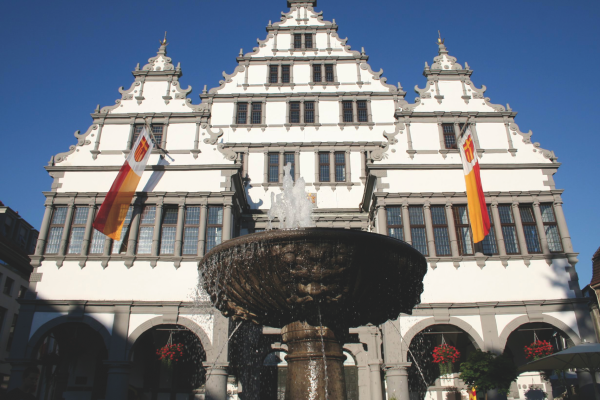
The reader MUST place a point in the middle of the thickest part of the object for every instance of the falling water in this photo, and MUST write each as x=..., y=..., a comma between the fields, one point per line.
x=292, y=207
x=323, y=351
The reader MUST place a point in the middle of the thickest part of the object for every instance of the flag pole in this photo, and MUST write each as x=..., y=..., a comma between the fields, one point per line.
x=163, y=152
x=464, y=128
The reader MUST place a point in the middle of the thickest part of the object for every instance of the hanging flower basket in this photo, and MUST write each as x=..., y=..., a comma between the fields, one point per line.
x=538, y=349
x=445, y=356
x=170, y=353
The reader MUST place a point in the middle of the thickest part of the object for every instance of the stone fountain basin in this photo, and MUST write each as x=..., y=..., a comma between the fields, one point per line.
x=326, y=277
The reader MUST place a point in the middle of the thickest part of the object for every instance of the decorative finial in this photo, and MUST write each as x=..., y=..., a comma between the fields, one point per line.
x=426, y=65
x=400, y=86
x=333, y=21
x=362, y=51
x=508, y=107
x=164, y=41
x=467, y=65
x=270, y=23
x=242, y=52
x=440, y=40
x=97, y=110
x=178, y=68
x=204, y=90
x=137, y=67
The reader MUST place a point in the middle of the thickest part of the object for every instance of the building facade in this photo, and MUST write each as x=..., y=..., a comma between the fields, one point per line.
x=371, y=160
x=17, y=240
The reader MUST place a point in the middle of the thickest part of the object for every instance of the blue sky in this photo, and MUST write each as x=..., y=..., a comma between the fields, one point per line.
x=61, y=58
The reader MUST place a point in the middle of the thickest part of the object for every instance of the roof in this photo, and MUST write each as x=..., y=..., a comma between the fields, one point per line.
x=596, y=268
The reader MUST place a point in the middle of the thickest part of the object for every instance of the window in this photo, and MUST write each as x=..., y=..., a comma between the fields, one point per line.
x=361, y=107
x=309, y=112
x=291, y=159
x=274, y=74
x=256, y=113
x=449, y=136
x=531, y=234
x=463, y=230
x=168, y=230
x=324, y=167
x=273, y=171
x=8, y=285
x=285, y=74
x=214, y=228
x=394, y=222
x=57, y=225
x=98, y=240
x=308, y=40
x=7, y=225
x=190, y=230
x=11, y=332
x=22, y=292
x=78, y=230
x=509, y=232
x=295, y=112
x=417, y=229
x=157, y=131
x=348, y=112
x=316, y=72
x=297, y=41
x=489, y=242
x=242, y=113
x=550, y=228
x=2, y=314
x=22, y=237
x=120, y=246
x=440, y=231
x=340, y=166
x=329, y=73
x=146, y=230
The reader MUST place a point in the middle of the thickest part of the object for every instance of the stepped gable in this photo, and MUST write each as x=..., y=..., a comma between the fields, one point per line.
x=596, y=268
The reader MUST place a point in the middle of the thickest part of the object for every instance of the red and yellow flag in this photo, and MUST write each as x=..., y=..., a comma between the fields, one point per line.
x=113, y=210
x=472, y=394
x=478, y=214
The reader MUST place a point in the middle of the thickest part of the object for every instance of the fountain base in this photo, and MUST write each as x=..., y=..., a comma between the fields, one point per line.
x=315, y=363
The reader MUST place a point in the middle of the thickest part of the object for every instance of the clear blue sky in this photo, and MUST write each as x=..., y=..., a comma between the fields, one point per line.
x=61, y=58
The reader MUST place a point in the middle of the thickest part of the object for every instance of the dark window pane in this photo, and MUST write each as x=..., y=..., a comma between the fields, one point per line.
x=506, y=216
x=361, y=107
x=215, y=215
x=526, y=214
x=324, y=167
x=317, y=73
x=463, y=230
x=442, y=242
x=309, y=112
x=190, y=240
x=340, y=166
x=167, y=240
x=510, y=240
x=76, y=240
x=547, y=213
x=415, y=214
x=157, y=131
x=53, y=241
x=394, y=216
x=438, y=215
x=308, y=41
x=192, y=215
x=295, y=113
x=531, y=238
x=273, y=172
x=297, y=41
x=98, y=240
x=348, y=112
x=553, y=238
x=170, y=216
x=59, y=216
x=242, y=113
x=489, y=242
x=81, y=215
x=256, y=113
x=273, y=71
x=328, y=72
x=419, y=239
x=289, y=158
x=285, y=74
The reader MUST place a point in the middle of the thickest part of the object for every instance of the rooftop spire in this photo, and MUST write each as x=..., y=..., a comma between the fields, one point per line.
x=162, y=50
x=440, y=43
x=311, y=3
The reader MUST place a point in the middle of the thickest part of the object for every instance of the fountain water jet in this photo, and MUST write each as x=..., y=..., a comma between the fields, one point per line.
x=314, y=283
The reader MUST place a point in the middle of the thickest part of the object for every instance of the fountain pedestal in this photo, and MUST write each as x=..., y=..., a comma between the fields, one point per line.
x=315, y=363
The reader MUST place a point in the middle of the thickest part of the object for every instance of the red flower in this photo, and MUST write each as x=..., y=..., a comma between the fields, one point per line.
x=170, y=352
x=539, y=349
x=445, y=353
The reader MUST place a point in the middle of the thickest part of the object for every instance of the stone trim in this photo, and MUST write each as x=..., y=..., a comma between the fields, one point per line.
x=160, y=167
x=459, y=166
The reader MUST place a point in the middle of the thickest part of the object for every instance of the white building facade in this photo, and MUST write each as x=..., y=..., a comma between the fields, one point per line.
x=371, y=161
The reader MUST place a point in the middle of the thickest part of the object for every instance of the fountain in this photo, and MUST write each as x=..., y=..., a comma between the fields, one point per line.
x=315, y=284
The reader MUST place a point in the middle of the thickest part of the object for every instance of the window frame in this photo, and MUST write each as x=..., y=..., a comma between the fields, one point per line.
x=9, y=284
x=527, y=232
x=548, y=224
x=56, y=225
x=209, y=226
x=271, y=158
x=322, y=164
x=392, y=226
x=449, y=135
x=137, y=129
x=188, y=226
x=356, y=121
x=164, y=225
x=80, y=226
x=321, y=70
x=509, y=225
x=249, y=113
x=459, y=225
x=336, y=164
x=439, y=228
x=145, y=226
x=422, y=226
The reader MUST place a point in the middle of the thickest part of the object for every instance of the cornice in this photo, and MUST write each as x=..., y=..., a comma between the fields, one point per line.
x=201, y=167
x=554, y=165
x=451, y=114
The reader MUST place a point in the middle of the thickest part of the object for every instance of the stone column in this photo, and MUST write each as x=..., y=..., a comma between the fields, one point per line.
x=202, y=229
x=397, y=380
x=41, y=242
x=118, y=365
x=117, y=380
x=226, y=222
x=498, y=229
x=406, y=223
x=18, y=352
x=64, y=241
x=332, y=166
x=562, y=226
x=540, y=227
x=216, y=381
x=179, y=233
x=381, y=219
x=519, y=227
x=281, y=165
x=157, y=225
x=87, y=236
x=429, y=230
x=134, y=228
x=452, y=230
x=370, y=336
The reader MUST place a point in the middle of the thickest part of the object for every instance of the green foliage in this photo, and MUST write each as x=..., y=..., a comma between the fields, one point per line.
x=486, y=371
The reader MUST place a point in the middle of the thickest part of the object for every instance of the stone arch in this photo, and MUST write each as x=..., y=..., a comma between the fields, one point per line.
x=183, y=321
x=421, y=325
x=63, y=319
x=524, y=319
x=347, y=350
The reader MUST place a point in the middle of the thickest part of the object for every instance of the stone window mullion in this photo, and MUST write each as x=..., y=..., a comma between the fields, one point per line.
x=226, y=222
x=44, y=229
x=519, y=227
x=134, y=228
x=157, y=228
x=498, y=229
x=348, y=165
x=332, y=165
x=297, y=165
x=316, y=165
x=281, y=159
x=562, y=227
x=540, y=227
x=266, y=166
x=452, y=231
x=382, y=220
x=202, y=230
x=406, y=223
x=429, y=230
x=131, y=131
x=302, y=111
x=179, y=232
x=87, y=236
x=67, y=229
x=441, y=135
x=370, y=114
x=316, y=111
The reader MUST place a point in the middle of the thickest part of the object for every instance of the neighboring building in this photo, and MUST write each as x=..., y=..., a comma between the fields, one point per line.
x=592, y=292
x=17, y=242
x=371, y=160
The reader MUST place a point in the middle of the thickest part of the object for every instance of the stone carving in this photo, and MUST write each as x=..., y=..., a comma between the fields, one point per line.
x=377, y=76
x=214, y=136
x=380, y=154
x=160, y=62
x=81, y=141
x=478, y=94
x=227, y=78
x=515, y=129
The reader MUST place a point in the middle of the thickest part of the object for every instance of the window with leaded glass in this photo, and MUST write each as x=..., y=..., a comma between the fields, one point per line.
x=394, y=222
x=340, y=166
x=309, y=112
x=529, y=228
x=417, y=229
x=273, y=167
x=297, y=41
x=294, y=112
x=317, y=77
x=329, y=73
x=57, y=225
x=274, y=74
x=242, y=113
x=256, y=113
x=551, y=228
x=348, y=112
x=285, y=74
x=78, y=223
x=147, y=219
x=214, y=227
x=324, y=167
x=509, y=230
x=120, y=246
x=98, y=240
x=361, y=111
x=168, y=230
x=489, y=242
x=289, y=158
x=157, y=131
x=308, y=40
x=191, y=230
x=463, y=230
x=449, y=136
x=440, y=231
